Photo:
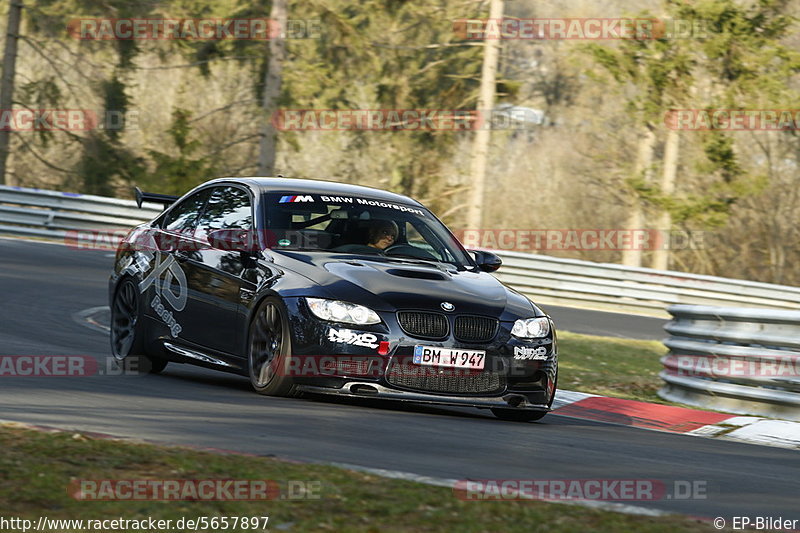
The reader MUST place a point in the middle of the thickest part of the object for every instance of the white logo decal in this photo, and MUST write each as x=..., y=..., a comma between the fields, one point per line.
x=173, y=272
x=166, y=316
x=163, y=288
x=534, y=354
x=367, y=340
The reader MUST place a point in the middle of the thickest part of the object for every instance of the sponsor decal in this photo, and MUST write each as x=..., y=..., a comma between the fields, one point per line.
x=163, y=287
x=166, y=316
x=533, y=354
x=369, y=202
x=297, y=198
x=347, y=336
x=173, y=276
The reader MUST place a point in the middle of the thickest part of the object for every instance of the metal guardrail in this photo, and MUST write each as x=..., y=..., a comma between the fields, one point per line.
x=613, y=287
x=744, y=361
x=57, y=215
x=545, y=279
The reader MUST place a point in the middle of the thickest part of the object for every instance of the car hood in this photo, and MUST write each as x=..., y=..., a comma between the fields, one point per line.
x=389, y=284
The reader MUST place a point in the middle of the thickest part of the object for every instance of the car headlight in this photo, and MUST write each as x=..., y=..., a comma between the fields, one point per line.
x=531, y=328
x=336, y=311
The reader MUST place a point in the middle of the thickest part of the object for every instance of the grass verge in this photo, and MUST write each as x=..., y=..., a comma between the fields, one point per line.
x=37, y=467
x=623, y=368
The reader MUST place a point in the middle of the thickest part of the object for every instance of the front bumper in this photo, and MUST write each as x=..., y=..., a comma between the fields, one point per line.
x=367, y=389
x=524, y=382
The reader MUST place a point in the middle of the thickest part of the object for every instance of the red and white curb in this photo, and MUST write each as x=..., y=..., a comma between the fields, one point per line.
x=672, y=419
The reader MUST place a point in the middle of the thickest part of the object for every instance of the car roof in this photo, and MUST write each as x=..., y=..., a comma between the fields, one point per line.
x=306, y=186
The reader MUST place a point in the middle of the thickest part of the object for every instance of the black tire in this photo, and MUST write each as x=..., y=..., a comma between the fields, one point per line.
x=269, y=349
x=519, y=415
x=127, y=332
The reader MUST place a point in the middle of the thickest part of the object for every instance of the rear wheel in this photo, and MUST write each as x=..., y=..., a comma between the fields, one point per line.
x=520, y=415
x=269, y=350
x=127, y=334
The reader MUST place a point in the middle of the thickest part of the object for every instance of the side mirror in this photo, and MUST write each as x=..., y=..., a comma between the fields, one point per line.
x=487, y=261
x=234, y=240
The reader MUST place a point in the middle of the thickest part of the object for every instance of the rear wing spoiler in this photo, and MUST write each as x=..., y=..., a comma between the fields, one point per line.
x=163, y=199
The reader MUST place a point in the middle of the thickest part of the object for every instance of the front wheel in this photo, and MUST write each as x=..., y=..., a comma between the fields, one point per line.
x=269, y=350
x=127, y=335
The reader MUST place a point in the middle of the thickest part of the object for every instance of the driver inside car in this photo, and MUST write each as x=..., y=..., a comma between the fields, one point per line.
x=382, y=234
x=376, y=237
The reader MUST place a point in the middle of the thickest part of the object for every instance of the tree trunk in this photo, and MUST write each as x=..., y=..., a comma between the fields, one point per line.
x=480, y=149
x=661, y=253
x=7, y=82
x=272, y=87
x=635, y=222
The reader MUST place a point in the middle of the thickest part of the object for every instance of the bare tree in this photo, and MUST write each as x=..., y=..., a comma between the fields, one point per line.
x=272, y=87
x=483, y=133
x=643, y=171
x=7, y=83
x=661, y=255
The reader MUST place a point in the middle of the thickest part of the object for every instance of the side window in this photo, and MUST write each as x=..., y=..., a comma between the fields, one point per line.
x=183, y=216
x=227, y=208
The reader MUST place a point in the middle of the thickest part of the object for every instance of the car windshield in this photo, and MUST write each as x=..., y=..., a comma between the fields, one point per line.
x=358, y=225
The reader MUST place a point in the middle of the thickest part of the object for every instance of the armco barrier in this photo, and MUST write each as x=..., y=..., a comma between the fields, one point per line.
x=548, y=280
x=625, y=289
x=51, y=214
x=740, y=360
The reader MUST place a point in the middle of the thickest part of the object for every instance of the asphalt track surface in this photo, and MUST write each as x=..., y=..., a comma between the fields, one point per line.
x=42, y=286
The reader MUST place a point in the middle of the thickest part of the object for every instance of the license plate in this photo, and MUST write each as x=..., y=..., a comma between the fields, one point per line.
x=449, y=357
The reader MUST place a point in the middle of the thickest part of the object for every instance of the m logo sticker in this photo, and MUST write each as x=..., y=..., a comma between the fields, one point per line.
x=292, y=199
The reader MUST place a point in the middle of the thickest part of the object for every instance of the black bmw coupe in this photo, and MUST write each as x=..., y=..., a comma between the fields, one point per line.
x=328, y=288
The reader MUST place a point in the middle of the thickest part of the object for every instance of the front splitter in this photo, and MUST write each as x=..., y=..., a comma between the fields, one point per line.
x=374, y=390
